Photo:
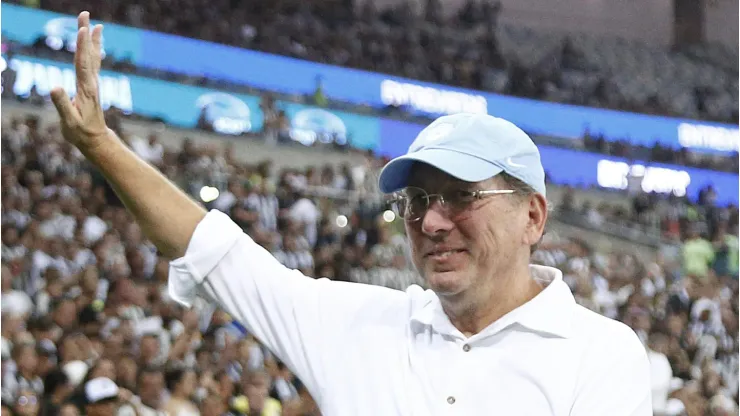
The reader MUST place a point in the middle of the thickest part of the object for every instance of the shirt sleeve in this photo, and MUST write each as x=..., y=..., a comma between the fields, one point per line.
x=615, y=378
x=299, y=319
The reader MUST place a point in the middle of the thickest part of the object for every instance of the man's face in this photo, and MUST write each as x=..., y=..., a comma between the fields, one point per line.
x=90, y=280
x=66, y=314
x=45, y=364
x=213, y=405
x=151, y=385
x=7, y=279
x=675, y=325
x=105, y=368
x=56, y=247
x=101, y=409
x=44, y=211
x=114, y=345
x=189, y=383
x=257, y=390
x=69, y=410
x=458, y=251
x=149, y=347
x=226, y=385
x=10, y=236
x=28, y=360
x=27, y=404
x=126, y=370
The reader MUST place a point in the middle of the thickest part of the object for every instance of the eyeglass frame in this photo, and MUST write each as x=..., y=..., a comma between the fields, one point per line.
x=476, y=195
x=27, y=400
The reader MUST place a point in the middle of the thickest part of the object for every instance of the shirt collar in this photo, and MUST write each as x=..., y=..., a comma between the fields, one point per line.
x=548, y=312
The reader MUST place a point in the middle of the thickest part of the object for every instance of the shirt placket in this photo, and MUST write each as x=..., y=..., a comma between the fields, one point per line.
x=459, y=368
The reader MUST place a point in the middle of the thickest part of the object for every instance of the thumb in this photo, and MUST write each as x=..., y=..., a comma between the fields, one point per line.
x=64, y=106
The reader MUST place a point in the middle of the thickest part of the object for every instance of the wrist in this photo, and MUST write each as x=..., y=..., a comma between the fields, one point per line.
x=99, y=149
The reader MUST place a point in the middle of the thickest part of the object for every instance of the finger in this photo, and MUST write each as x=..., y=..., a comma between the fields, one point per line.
x=67, y=112
x=97, y=48
x=83, y=20
x=83, y=38
x=81, y=59
x=85, y=68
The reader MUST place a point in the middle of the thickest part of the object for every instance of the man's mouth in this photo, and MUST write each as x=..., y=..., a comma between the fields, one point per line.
x=444, y=253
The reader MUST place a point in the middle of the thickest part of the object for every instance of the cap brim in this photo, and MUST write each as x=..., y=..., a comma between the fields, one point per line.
x=394, y=175
x=104, y=400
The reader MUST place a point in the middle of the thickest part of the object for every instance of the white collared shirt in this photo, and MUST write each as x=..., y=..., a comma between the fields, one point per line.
x=367, y=350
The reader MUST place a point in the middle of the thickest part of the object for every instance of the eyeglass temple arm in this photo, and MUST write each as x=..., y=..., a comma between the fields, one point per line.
x=479, y=194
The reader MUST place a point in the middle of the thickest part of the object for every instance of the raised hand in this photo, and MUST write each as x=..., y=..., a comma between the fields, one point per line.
x=82, y=119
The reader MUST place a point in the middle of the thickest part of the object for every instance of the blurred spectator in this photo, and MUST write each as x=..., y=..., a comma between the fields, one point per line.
x=181, y=384
x=698, y=254
x=256, y=385
x=319, y=98
x=150, y=150
x=304, y=212
x=57, y=389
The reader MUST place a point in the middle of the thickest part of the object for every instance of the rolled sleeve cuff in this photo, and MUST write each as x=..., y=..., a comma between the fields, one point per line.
x=214, y=236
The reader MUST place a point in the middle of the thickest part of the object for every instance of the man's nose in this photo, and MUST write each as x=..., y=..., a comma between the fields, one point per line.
x=436, y=220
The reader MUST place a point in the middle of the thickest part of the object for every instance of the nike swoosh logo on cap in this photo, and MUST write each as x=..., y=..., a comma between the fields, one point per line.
x=514, y=164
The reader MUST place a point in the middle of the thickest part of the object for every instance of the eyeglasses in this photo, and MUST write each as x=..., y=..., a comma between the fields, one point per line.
x=26, y=401
x=412, y=203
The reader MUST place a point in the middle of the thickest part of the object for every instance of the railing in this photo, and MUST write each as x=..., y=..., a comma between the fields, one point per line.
x=632, y=232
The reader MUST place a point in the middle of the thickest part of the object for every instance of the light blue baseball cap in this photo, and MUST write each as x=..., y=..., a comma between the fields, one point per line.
x=472, y=148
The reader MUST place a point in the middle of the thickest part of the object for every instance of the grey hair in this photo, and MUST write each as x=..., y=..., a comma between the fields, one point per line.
x=522, y=188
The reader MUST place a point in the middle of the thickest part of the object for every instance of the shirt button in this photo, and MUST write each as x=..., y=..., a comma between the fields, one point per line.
x=466, y=347
x=451, y=400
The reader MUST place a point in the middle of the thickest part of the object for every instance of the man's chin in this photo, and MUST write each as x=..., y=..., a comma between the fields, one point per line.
x=446, y=283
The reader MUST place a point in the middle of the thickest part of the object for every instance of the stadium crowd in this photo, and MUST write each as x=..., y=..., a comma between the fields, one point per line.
x=659, y=153
x=468, y=49
x=87, y=323
x=277, y=123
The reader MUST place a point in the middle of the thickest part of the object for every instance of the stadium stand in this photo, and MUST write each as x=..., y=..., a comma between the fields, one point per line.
x=468, y=49
x=84, y=296
x=587, y=142
x=83, y=288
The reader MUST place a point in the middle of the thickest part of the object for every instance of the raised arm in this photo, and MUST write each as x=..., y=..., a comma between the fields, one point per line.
x=301, y=320
x=167, y=215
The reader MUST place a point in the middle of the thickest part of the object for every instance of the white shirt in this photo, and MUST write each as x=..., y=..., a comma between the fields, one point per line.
x=225, y=201
x=62, y=226
x=661, y=375
x=368, y=350
x=94, y=229
x=305, y=211
x=267, y=208
x=16, y=303
x=152, y=153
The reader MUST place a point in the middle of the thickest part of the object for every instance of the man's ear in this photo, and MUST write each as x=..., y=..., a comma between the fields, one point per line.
x=537, y=219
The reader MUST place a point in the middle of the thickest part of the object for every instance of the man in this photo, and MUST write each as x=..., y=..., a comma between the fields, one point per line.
x=151, y=387
x=57, y=389
x=101, y=397
x=256, y=389
x=25, y=377
x=494, y=335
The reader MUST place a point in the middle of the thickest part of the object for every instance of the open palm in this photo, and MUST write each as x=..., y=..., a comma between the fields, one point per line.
x=82, y=119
